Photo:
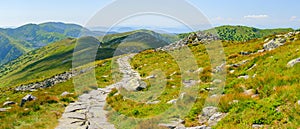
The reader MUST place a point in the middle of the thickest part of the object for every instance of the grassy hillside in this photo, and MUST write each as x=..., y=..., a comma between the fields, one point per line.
x=23, y=39
x=275, y=85
x=273, y=102
x=54, y=59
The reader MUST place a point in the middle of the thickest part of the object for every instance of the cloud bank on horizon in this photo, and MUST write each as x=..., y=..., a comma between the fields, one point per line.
x=256, y=13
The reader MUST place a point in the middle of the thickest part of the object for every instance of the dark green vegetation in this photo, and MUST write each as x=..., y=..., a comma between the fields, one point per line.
x=23, y=39
x=242, y=33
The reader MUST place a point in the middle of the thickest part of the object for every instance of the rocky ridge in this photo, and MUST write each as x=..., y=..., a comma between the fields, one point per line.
x=52, y=81
x=191, y=39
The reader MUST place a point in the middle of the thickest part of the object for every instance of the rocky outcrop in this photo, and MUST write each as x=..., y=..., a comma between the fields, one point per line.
x=210, y=116
x=293, y=62
x=191, y=39
x=274, y=43
x=52, y=81
x=27, y=98
x=279, y=40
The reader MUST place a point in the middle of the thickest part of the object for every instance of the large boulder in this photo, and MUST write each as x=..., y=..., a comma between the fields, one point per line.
x=28, y=97
x=293, y=62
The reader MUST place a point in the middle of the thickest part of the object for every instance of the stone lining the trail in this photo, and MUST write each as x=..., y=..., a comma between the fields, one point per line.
x=88, y=112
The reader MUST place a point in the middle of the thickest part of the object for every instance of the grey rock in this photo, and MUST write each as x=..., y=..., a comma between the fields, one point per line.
x=209, y=111
x=261, y=51
x=249, y=92
x=52, y=81
x=7, y=103
x=215, y=118
x=199, y=127
x=169, y=126
x=244, y=77
x=4, y=109
x=150, y=77
x=65, y=94
x=217, y=81
x=257, y=126
x=173, y=101
x=245, y=53
x=293, y=62
x=28, y=97
x=153, y=102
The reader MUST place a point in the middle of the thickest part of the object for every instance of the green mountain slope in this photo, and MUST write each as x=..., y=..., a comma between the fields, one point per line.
x=241, y=33
x=32, y=36
x=244, y=33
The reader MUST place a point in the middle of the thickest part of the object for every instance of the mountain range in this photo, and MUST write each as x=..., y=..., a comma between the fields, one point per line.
x=261, y=86
x=21, y=40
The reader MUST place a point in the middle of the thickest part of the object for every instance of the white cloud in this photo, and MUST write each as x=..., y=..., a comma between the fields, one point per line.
x=256, y=16
x=293, y=18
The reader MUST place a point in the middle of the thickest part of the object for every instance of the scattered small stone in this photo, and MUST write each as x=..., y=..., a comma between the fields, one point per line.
x=231, y=71
x=217, y=81
x=244, y=77
x=65, y=94
x=4, y=109
x=253, y=66
x=215, y=118
x=209, y=111
x=293, y=62
x=298, y=102
x=151, y=77
x=199, y=127
x=173, y=101
x=200, y=70
x=245, y=53
x=249, y=92
x=153, y=102
x=105, y=76
x=261, y=51
x=255, y=96
x=257, y=126
x=235, y=101
x=28, y=97
x=7, y=103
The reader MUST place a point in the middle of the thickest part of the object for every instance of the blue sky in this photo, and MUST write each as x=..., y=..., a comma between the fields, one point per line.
x=256, y=13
